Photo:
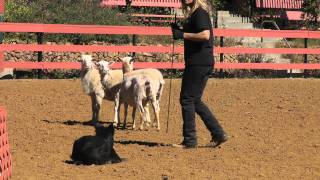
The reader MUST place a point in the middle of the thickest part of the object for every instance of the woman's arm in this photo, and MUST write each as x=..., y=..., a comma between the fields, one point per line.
x=201, y=36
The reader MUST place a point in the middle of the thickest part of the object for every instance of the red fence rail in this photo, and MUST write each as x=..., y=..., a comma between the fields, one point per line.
x=109, y=3
x=158, y=49
x=5, y=156
x=148, y=30
x=140, y=30
x=143, y=3
x=157, y=3
x=279, y=4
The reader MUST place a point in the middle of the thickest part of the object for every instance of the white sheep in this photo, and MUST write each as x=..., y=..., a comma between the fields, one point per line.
x=155, y=75
x=91, y=84
x=136, y=90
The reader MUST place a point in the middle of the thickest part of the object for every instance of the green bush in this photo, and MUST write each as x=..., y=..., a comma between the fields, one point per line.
x=66, y=12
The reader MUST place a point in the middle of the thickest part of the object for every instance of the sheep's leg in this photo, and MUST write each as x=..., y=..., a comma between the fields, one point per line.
x=143, y=115
x=98, y=105
x=134, y=109
x=156, y=109
x=125, y=115
x=95, y=111
x=147, y=114
x=96, y=102
x=116, y=109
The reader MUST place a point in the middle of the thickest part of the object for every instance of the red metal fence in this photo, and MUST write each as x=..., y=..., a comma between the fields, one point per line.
x=157, y=3
x=113, y=3
x=143, y=3
x=5, y=156
x=141, y=30
x=1, y=6
x=279, y=4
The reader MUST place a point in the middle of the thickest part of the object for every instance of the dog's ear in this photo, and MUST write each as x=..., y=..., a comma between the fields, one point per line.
x=104, y=131
x=100, y=130
x=110, y=129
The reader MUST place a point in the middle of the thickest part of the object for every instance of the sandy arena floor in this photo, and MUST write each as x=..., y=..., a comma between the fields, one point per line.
x=273, y=126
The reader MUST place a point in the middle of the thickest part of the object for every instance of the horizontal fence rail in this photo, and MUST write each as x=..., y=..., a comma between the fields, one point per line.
x=141, y=30
x=155, y=49
x=157, y=3
x=149, y=30
x=160, y=65
x=83, y=29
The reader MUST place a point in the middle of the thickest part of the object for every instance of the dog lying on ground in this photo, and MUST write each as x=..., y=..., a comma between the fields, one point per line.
x=96, y=149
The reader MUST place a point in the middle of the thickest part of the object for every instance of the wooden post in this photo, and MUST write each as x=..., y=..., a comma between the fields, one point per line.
x=134, y=43
x=40, y=55
x=2, y=5
x=221, y=56
x=305, y=56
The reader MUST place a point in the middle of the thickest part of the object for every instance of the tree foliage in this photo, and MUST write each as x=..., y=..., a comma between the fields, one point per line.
x=66, y=12
x=311, y=11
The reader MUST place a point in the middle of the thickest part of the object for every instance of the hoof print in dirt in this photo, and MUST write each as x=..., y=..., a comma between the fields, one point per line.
x=97, y=149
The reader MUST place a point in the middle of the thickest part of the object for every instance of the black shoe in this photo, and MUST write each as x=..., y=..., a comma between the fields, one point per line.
x=215, y=142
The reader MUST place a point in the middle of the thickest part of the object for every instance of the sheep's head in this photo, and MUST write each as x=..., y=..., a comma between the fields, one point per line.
x=104, y=66
x=86, y=61
x=127, y=64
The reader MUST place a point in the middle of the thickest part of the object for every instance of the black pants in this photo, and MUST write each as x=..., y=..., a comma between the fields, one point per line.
x=193, y=84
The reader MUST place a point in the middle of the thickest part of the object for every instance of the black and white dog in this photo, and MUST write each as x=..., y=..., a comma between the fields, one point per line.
x=96, y=149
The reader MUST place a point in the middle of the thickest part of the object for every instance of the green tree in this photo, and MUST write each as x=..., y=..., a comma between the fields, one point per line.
x=67, y=12
x=17, y=11
x=311, y=11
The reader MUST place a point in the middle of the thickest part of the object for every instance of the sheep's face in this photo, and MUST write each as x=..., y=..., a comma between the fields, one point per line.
x=127, y=64
x=86, y=62
x=104, y=66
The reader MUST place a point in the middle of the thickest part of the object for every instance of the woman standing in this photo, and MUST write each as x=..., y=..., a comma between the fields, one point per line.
x=198, y=56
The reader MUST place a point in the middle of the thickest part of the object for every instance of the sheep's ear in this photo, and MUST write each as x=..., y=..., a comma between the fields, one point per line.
x=96, y=63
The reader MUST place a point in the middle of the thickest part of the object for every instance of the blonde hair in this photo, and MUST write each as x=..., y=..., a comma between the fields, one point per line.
x=187, y=11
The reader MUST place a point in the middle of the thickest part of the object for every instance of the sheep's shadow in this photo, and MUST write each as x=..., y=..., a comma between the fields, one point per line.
x=71, y=122
x=142, y=143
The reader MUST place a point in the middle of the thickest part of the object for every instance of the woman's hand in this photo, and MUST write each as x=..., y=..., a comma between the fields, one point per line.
x=177, y=32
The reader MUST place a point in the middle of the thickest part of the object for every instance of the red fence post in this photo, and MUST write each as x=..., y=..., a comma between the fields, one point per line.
x=5, y=156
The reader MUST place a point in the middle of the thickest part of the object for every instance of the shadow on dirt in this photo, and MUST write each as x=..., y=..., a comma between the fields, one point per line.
x=73, y=122
x=87, y=123
x=142, y=143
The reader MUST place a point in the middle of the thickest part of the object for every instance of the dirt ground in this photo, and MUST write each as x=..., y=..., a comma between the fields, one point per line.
x=273, y=126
